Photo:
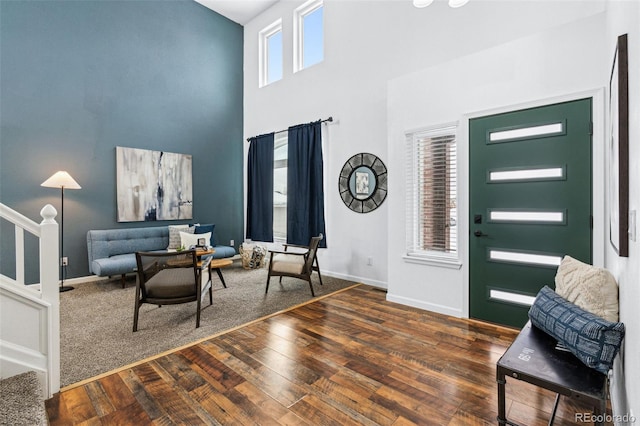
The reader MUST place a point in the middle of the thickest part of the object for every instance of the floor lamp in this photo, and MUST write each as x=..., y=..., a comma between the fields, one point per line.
x=61, y=180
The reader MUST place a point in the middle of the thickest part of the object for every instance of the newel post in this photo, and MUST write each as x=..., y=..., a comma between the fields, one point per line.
x=49, y=243
x=49, y=282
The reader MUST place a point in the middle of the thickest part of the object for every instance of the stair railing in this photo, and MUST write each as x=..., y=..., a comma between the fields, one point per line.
x=30, y=314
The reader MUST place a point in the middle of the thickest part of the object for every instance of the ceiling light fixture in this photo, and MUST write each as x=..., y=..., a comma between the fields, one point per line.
x=452, y=3
x=457, y=3
x=422, y=3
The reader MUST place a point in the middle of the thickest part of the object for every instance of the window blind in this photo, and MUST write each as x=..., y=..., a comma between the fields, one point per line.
x=432, y=192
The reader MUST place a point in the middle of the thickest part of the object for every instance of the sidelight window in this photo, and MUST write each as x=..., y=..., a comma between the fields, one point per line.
x=431, y=188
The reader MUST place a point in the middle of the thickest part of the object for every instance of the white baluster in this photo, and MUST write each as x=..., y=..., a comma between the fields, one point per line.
x=19, y=232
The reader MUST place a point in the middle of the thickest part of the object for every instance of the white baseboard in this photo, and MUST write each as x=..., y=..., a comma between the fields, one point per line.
x=433, y=307
x=368, y=281
x=87, y=279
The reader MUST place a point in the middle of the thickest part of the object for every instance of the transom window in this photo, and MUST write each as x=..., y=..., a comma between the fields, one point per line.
x=431, y=187
x=270, y=45
x=308, y=35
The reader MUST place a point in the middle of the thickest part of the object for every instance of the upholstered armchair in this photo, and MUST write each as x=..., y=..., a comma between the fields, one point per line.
x=297, y=263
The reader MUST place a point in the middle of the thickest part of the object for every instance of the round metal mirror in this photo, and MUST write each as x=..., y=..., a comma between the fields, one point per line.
x=363, y=183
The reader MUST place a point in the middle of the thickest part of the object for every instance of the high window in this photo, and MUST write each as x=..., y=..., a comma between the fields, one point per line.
x=432, y=195
x=270, y=44
x=280, y=156
x=308, y=35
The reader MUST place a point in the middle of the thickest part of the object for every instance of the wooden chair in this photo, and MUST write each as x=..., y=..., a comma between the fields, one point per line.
x=296, y=264
x=169, y=278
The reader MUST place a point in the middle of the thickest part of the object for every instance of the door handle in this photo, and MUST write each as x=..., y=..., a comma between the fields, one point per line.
x=479, y=233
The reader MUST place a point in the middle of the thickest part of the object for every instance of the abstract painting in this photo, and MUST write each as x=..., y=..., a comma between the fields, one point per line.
x=153, y=185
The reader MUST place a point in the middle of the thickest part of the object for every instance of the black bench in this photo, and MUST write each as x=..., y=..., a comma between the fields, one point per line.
x=534, y=358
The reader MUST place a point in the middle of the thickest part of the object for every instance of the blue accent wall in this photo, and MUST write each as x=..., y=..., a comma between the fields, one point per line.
x=78, y=78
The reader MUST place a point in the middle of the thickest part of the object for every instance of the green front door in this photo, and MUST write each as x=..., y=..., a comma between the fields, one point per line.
x=530, y=204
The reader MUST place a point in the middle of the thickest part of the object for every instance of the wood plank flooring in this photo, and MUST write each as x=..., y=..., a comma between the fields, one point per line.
x=349, y=359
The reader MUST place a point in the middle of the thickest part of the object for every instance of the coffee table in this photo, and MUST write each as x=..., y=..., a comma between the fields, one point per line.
x=216, y=265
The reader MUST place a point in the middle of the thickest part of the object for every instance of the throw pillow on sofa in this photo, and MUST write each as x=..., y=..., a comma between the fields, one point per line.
x=592, y=339
x=207, y=228
x=174, y=234
x=593, y=289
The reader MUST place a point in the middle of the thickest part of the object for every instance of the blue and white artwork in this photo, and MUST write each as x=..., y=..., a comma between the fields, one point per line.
x=153, y=185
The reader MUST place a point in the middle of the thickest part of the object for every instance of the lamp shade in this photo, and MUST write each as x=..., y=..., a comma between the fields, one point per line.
x=422, y=3
x=61, y=179
x=457, y=3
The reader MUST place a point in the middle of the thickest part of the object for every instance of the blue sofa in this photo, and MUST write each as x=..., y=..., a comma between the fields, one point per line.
x=112, y=251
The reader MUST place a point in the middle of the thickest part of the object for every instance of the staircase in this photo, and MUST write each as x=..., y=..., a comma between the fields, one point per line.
x=30, y=314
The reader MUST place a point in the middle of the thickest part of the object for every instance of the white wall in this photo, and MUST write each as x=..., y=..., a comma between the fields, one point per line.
x=529, y=70
x=624, y=17
x=390, y=67
x=535, y=69
x=368, y=43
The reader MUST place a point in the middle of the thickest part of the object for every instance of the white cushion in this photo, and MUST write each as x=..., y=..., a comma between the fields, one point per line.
x=593, y=289
x=189, y=239
x=174, y=235
x=287, y=263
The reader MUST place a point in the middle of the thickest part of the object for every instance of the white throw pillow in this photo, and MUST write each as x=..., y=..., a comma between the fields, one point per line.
x=174, y=235
x=189, y=240
x=593, y=289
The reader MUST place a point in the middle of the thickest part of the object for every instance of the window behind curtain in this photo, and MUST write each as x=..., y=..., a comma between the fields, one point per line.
x=432, y=193
x=280, y=187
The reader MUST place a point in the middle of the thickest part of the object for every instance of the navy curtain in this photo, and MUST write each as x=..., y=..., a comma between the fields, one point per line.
x=305, y=192
x=260, y=189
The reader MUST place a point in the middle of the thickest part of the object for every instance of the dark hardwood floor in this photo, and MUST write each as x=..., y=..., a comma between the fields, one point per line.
x=349, y=359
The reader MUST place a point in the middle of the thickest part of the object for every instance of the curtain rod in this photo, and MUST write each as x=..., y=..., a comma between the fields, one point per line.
x=330, y=120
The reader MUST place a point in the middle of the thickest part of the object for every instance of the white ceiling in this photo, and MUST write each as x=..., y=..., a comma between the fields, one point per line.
x=240, y=11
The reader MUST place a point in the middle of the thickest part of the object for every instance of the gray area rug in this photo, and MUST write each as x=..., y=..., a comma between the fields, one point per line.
x=96, y=319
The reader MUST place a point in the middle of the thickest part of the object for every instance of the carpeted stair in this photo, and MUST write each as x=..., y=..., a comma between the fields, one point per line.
x=21, y=401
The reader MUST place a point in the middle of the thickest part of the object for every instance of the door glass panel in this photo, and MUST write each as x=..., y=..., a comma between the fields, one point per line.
x=526, y=216
x=528, y=258
x=526, y=174
x=505, y=296
x=526, y=132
